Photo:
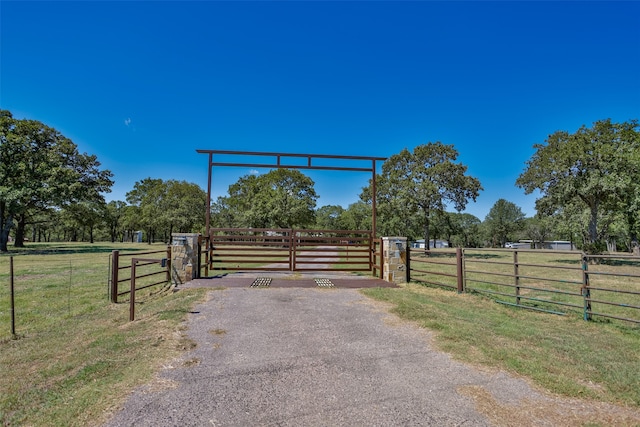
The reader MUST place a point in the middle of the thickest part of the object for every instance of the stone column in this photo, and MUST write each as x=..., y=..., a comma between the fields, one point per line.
x=184, y=257
x=394, y=254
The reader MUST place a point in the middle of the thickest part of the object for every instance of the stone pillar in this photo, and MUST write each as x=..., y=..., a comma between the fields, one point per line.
x=394, y=254
x=184, y=257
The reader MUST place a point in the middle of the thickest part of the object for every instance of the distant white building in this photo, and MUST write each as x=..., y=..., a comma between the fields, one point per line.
x=419, y=244
x=556, y=245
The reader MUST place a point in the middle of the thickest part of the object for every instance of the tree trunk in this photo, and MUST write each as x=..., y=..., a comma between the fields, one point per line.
x=5, y=226
x=593, y=224
x=426, y=229
x=19, y=243
x=633, y=237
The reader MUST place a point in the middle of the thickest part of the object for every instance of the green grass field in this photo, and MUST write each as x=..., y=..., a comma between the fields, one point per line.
x=77, y=356
x=563, y=354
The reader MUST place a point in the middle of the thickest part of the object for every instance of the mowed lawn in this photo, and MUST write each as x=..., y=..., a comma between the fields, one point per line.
x=76, y=355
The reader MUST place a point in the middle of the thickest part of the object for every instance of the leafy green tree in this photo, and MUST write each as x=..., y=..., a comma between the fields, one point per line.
x=246, y=203
x=423, y=182
x=281, y=198
x=458, y=229
x=357, y=216
x=132, y=221
x=222, y=215
x=114, y=219
x=85, y=216
x=39, y=169
x=147, y=196
x=468, y=226
x=330, y=217
x=183, y=204
x=538, y=229
x=504, y=219
x=595, y=168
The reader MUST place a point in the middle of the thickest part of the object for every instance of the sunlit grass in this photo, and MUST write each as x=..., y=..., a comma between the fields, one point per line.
x=76, y=355
x=563, y=354
x=550, y=281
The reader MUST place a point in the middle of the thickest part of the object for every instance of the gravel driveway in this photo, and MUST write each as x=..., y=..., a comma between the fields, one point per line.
x=313, y=357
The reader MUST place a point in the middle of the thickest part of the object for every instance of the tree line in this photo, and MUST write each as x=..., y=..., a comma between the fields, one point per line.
x=51, y=191
x=589, y=183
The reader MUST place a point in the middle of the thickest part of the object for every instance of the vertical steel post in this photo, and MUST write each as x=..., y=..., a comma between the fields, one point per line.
x=292, y=249
x=516, y=275
x=381, y=259
x=459, y=270
x=169, y=264
x=132, y=294
x=208, y=213
x=12, y=296
x=373, y=198
x=407, y=262
x=206, y=256
x=114, y=276
x=586, y=291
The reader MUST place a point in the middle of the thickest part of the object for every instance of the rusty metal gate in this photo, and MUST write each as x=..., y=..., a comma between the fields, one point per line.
x=247, y=249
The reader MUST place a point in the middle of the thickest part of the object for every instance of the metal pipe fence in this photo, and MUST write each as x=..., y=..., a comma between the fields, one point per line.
x=136, y=269
x=558, y=282
x=38, y=292
x=258, y=249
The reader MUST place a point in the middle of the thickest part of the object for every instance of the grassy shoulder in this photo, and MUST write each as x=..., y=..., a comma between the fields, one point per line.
x=563, y=354
x=77, y=356
x=75, y=374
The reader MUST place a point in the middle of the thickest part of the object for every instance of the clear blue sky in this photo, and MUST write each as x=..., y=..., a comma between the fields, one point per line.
x=144, y=84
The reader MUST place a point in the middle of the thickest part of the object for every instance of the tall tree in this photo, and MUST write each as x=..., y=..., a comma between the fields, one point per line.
x=39, y=169
x=426, y=181
x=469, y=230
x=502, y=221
x=538, y=229
x=86, y=216
x=596, y=168
x=330, y=217
x=357, y=216
x=281, y=198
x=182, y=206
x=114, y=219
x=147, y=197
x=222, y=215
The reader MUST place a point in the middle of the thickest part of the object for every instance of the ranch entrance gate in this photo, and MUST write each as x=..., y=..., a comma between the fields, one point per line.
x=290, y=249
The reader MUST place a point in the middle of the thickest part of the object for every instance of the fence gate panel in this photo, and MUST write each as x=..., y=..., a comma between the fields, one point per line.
x=251, y=249
x=332, y=250
x=235, y=249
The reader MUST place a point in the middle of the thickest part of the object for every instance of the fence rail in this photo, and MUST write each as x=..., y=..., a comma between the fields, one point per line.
x=550, y=281
x=40, y=291
x=136, y=269
x=246, y=249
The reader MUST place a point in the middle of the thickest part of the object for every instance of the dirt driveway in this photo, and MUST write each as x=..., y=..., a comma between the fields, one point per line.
x=331, y=357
